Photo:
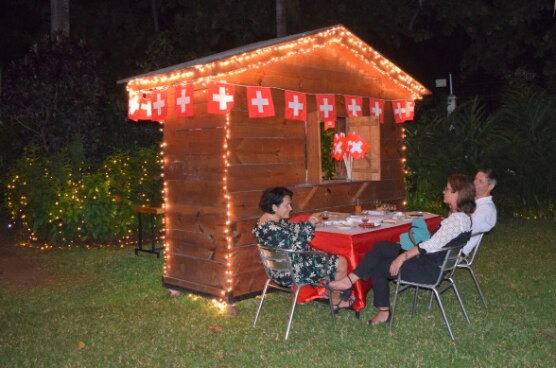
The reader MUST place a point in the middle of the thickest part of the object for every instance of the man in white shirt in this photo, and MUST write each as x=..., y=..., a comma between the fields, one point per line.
x=484, y=217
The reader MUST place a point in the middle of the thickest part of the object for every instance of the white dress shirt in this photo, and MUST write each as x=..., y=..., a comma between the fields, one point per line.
x=484, y=219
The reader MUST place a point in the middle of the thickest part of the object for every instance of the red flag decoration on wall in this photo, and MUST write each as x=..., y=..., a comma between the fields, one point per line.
x=259, y=102
x=145, y=107
x=354, y=106
x=376, y=108
x=329, y=124
x=220, y=98
x=296, y=105
x=326, y=104
x=133, y=107
x=159, y=105
x=183, y=97
x=339, y=146
x=356, y=146
x=403, y=110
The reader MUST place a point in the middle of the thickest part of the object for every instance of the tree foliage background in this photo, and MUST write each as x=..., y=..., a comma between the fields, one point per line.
x=59, y=97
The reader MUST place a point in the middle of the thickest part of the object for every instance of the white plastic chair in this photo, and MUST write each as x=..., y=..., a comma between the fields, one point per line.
x=466, y=263
x=279, y=260
x=446, y=275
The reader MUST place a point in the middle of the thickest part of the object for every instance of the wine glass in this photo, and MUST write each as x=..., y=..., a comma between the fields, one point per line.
x=377, y=204
x=365, y=219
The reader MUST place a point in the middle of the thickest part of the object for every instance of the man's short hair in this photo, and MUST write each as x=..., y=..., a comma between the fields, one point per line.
x=491, y=175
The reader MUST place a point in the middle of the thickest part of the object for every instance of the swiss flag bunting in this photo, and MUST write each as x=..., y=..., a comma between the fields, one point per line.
x=296, y=105
x=159, y=105
x=376, y=108
x=220, y=99
x=183, y=98
x=354, y=106
x=259, y=102
x=145, y=106
x=403, y=110
x=153, y=105
x=326, y=105
x=133, y=107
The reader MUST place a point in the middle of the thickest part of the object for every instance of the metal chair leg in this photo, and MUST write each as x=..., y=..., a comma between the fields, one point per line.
x=477, y=286
x=460, y=301
x=261, y=303
x=443, y=313
x=291, y=313
x=414, y=308
x=394, y=304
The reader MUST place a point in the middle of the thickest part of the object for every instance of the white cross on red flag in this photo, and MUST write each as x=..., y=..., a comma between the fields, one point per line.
x=259, y=102
x=354, y=106
x=326, y=105
x=145, y=106
x=183, y=97
x=296, y=105
x=403, y=110
x=159, y=105
x=339, y=146
x=356, y=146
x=220, y=98
x=376, y=108
x=133, y=106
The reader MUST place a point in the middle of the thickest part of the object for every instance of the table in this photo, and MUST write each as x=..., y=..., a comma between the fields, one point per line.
x=353, y=244
x=151, y=212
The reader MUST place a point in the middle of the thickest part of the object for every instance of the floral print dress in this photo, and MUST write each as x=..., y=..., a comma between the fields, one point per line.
x=296, y=236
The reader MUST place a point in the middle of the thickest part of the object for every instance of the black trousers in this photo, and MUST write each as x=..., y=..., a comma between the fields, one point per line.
x=376, y=265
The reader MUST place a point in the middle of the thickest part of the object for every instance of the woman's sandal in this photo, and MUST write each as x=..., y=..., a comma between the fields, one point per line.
x=350, y=300
x=370, y=322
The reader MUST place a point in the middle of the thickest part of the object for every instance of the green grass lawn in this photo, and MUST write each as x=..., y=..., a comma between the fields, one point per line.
x=113, y=302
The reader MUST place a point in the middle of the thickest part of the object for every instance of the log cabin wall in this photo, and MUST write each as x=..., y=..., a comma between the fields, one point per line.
x=262, y=153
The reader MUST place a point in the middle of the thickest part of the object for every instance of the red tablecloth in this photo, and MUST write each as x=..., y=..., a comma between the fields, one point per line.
x=354, y=247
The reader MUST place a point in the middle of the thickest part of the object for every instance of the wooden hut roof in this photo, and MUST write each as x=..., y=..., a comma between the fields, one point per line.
x=239, y=59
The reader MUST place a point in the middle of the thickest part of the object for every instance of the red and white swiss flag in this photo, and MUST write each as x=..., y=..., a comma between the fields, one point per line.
x=220, y=98
x=159, y=105
x=403, y=110
x=329, y=124
x=326, y=105
x=145, y=106
x=354, y=106
x=133, y=106
x=259, y=102
x=376, y=108
x=183, y=98
x=296, y=105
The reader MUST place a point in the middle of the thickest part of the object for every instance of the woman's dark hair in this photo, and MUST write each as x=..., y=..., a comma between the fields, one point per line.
x=466, y=192
x=273, y=196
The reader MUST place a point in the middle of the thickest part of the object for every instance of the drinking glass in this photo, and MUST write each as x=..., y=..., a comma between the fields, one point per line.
x=324, y=215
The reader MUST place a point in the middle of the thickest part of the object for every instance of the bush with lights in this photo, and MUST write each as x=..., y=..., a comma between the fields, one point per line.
x=58, y=204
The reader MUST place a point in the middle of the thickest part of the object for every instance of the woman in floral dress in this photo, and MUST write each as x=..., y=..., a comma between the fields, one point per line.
x=273, y=230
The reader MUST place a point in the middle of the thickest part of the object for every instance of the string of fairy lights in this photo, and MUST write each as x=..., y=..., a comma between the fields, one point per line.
x=204, y=73
x=67, y=223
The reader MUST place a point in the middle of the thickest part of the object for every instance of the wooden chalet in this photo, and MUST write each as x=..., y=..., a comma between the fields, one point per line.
x=216, y=166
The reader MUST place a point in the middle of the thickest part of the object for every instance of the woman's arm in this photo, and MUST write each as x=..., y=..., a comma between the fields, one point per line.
x=399, y=260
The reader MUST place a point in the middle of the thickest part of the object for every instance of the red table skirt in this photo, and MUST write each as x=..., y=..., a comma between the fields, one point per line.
x=354, y=248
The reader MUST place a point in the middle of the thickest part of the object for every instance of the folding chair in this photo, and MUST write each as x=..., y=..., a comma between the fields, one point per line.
x=446, y=275
x=466, y=263
x=279, y=260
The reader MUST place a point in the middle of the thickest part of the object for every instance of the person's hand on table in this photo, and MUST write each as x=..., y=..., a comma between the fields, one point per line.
x=314, y=218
